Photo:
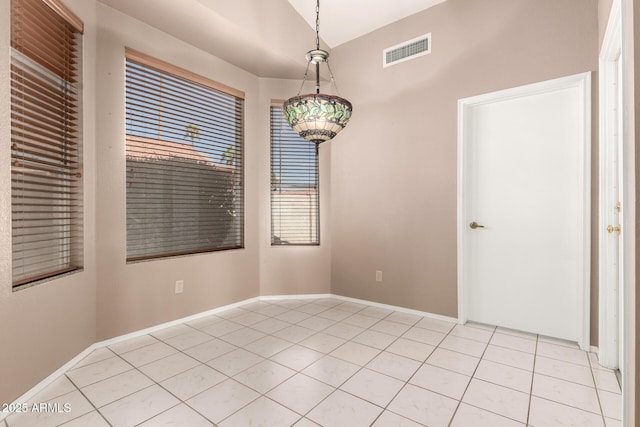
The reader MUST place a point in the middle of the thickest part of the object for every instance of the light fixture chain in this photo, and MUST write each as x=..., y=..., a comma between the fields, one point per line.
x=333, y=81
x=304, y=79
x=318, y=24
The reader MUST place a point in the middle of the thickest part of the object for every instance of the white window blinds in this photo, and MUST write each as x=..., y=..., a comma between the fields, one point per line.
x=184, y=160
x=295, y=209
x=46, y=155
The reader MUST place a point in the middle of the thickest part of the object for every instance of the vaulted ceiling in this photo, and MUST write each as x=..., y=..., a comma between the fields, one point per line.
x=342, y=21
x=268, y=38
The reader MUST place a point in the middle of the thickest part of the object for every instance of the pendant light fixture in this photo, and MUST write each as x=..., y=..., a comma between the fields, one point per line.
x=317, y=117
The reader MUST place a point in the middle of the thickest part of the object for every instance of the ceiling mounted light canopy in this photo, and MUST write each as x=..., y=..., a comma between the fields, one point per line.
x=317, y=117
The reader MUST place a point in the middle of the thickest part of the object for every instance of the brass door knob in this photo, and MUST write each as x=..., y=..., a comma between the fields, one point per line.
x=475, y=225
x=617, y=229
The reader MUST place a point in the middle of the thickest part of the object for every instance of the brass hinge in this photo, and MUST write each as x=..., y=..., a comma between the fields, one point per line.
x=617, y=229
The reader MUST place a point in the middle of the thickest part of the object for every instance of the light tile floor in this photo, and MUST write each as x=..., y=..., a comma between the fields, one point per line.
x=331, y=363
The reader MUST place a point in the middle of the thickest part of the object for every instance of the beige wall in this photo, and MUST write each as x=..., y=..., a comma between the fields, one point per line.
x=139, y=295
x=46, y=325
x=295, y=269
x=394, y=166
x=604, y=8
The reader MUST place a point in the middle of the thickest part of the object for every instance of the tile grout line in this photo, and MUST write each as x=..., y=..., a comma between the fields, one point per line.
x=425, y=362
x=88, y=400
x=16, y=414
x=135, y=368
x=227, y=376
x=249, y=367
x=346, y=341
x=601, y=413
x=565, y=380
x=234, y=412
x=230, y=319
x=533, y=374
x=154, y=382
x=356, y=372
x=496, y=384
x=297, y=372
x=300, y=371
x=360, y=367
x=160, y=413
x=472, y=376
x=385, y=408
x=604, y=421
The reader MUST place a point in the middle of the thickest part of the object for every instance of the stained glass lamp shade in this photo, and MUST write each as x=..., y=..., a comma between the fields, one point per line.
x=317, y=117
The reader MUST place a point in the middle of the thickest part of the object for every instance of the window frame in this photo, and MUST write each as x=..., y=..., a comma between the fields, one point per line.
x=46, y=142
x=276, y=111
x=173, y=71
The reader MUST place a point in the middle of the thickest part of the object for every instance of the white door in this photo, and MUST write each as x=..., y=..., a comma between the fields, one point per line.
x=612, y=195
x=524, y=217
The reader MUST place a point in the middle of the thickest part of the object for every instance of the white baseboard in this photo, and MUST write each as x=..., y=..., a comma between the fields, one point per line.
x=301, y=296
x=396, y=308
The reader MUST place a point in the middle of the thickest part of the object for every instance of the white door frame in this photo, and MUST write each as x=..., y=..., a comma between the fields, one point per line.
x=583, y=83
x=609, y=296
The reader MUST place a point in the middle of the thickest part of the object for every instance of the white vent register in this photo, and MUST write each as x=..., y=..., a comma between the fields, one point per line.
x=407, y=50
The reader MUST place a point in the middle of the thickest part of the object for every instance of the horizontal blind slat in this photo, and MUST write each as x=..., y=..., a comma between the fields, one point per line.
x=46, y=164
x=184, y=149
x=295, y=211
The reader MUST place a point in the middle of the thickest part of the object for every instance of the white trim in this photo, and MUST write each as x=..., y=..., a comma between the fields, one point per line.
x=396, y=308
x=584, y=295
x=608, y=299
x=462, y=214
x=583, y=82
x=629, y=368
x=301, y=296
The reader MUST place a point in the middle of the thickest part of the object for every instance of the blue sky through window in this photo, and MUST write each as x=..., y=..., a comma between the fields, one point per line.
x=168, y=108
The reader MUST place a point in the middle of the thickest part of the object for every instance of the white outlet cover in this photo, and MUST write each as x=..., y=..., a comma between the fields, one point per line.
x=179, y=286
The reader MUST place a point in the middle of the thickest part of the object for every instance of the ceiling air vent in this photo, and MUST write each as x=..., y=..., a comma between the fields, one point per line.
x=406, y=50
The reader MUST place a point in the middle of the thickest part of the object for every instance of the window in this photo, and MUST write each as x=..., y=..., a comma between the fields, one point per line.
x=46, y=155
x=295, y=212
x=184, y=160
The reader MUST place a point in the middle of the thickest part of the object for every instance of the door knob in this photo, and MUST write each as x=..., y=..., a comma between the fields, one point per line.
x=617, y=229
x=475, y=225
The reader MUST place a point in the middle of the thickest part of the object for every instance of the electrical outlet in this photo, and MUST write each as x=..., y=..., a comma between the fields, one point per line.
x=378, y=276
x=179, y=286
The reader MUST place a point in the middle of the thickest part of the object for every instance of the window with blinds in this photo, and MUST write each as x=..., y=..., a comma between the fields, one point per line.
x=46, y=155
x=184, y=160
x=295, y=208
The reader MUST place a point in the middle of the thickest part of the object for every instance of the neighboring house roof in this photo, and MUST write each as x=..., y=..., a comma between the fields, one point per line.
x=148, y=148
